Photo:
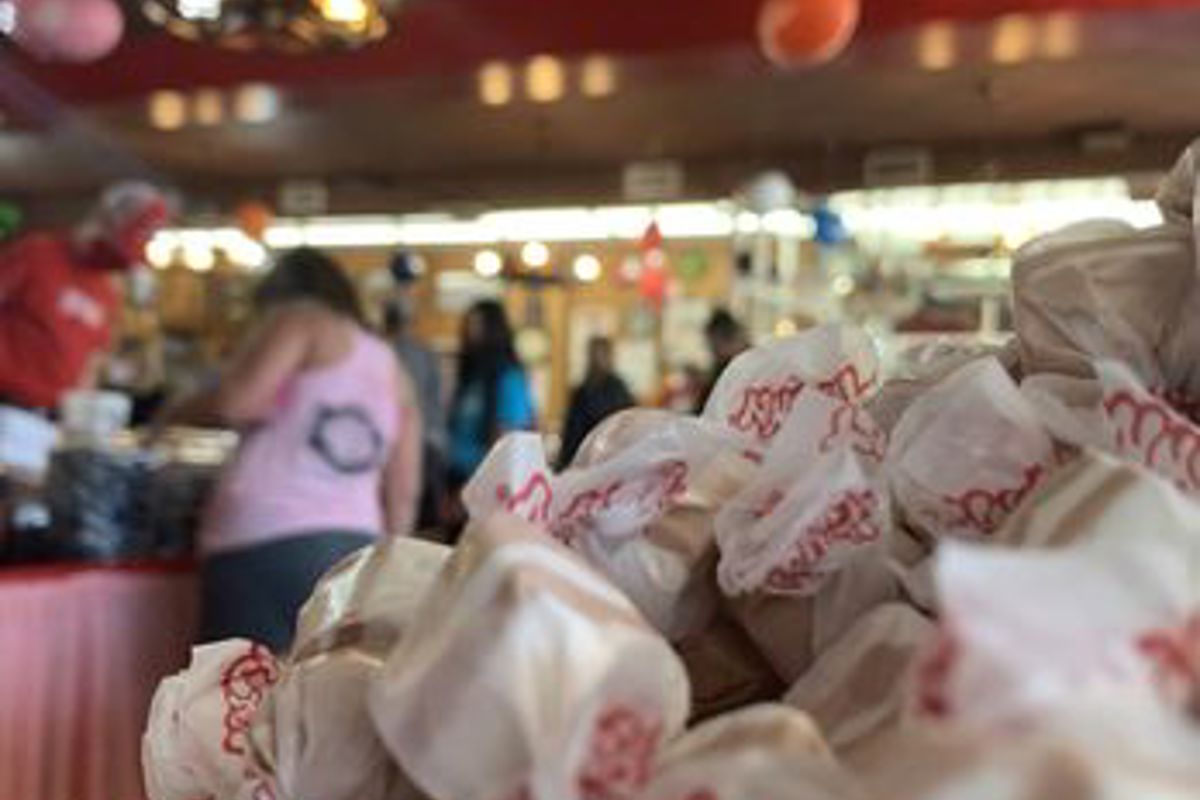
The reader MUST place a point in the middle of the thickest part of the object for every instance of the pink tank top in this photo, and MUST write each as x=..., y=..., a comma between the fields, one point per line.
x=316, y=464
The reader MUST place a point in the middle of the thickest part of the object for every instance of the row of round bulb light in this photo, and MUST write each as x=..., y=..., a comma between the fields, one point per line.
x=545, y=79
x=252, y=104
x=285, y=25
x=586, y=267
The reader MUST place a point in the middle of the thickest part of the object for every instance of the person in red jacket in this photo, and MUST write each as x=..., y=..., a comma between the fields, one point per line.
x=58, y=298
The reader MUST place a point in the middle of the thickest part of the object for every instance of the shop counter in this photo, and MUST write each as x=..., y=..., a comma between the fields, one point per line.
x=81, y=652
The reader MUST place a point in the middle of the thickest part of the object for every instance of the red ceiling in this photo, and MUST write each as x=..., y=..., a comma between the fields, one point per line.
x=453, y=35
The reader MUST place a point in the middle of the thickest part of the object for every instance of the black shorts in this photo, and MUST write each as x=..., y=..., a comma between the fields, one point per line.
x=256, y=592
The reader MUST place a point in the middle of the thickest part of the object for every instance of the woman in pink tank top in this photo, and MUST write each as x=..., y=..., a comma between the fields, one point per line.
x=329, y=456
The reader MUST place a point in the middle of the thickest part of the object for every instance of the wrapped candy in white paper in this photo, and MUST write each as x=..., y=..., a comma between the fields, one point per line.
x=638, y=504
x=804, y=546
x=1097, y=751
x=791, y=631
x=967, y=453
x=726, y=669
x=858, y=687
x=316, y=723
x=1098, y=496
x=1112, y=298
x=643, y=513
x=514, y=478
x=767, y=752
x=815, y=504
x=757, y=392
x=527, y=675
x=197, y=741
x=1028, y=633
x=368, y=600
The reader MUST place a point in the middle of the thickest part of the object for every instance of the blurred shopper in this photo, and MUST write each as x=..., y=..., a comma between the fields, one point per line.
x=59, y=299
x=329, y=457
x=425, y=372
x=492, y=396
x=601, y=394
x=726, y=340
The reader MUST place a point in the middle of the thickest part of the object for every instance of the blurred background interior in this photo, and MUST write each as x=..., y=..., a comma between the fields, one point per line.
x=626, y=192
x=605, y=167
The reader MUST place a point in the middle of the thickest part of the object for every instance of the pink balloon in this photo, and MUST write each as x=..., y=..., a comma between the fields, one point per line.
x=76, y=31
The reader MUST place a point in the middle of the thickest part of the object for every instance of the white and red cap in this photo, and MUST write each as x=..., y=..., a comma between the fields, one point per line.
x=126, y=218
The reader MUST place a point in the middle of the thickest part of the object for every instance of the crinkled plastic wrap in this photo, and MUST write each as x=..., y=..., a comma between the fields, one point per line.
x=197, y=742
x=315, y=727
x=527, y=675
x=767, y=752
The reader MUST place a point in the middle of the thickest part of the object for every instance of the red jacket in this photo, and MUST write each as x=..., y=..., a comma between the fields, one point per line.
x=56, y=312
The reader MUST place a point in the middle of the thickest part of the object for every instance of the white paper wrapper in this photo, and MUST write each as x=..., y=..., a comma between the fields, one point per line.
x=1113, y=298
x=1101, y=497
x=316, y=723
x=858, y=687
x=726, y=669
x=1101, y=751
x=1026, y=634
x=791, y=631
x=527, y=676
x=968, y=453
x=514, y=478
x=197, y=741
x=758, y=391
x=638, y=504
x=770, y=752
x=1145, y=429
x=368, y=600
x=815, y=504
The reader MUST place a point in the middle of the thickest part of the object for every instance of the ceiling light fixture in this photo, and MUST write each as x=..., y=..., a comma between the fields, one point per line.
x=295, y=26
x=1013, y=39
x=167, y=110
x=255, y=104
x=545, y=79
x=488, y=263
x=496, y=84
x=598, y=77
x=587, y=268
x=208, y=108
x=535, y=255
x=937, y=46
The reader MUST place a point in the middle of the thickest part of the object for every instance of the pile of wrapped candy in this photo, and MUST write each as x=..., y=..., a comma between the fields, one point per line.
x=977, y=580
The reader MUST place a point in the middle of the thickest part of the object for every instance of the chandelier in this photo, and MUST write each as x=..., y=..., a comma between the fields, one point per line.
x=295, y=26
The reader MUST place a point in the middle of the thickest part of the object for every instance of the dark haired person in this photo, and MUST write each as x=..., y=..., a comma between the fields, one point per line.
x=601, y=394
x=726, y=339
x=329, y=456
x=492, y=396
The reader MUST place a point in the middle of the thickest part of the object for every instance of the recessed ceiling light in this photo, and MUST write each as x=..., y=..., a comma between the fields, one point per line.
x=545, y=79
x=488, y=263
x=535, y=254
x=167, y=110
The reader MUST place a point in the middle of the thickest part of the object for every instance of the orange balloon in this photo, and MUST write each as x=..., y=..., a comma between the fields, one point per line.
x=805, y=33
x=254, y=218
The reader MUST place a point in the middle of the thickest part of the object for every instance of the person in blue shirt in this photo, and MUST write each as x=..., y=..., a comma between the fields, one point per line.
x=493, y=396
